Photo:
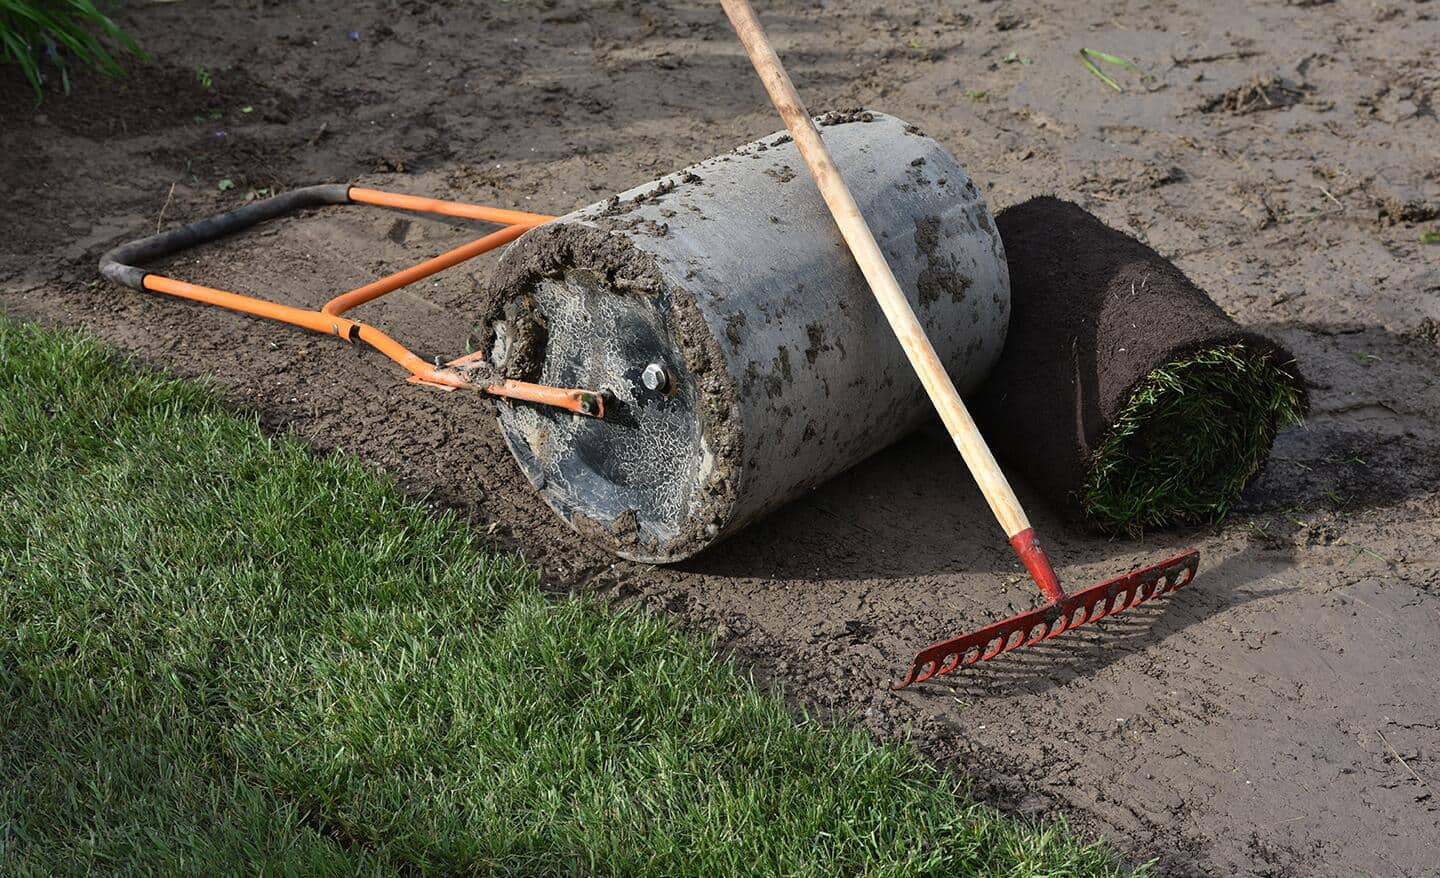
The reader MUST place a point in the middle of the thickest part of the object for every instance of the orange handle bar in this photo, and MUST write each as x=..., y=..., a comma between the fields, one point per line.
x=417, y=204
x=119, y=265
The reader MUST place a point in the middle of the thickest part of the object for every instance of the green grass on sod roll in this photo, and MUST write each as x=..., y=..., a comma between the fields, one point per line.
x=222, y=653
x=1191, y=437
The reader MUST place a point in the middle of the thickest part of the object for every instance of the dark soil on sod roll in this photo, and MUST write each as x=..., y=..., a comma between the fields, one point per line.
x=1124, y=393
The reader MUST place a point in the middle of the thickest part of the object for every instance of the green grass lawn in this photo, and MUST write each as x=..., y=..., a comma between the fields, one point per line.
x=223, y=654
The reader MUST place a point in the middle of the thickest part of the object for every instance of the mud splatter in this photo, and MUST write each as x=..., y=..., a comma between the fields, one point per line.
x=818, y=345
x=940, y=277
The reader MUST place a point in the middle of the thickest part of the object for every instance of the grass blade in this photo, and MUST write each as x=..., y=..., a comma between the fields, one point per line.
x=17, y=50
x=55, y=29
x=1090, y=65
x=1087, y=56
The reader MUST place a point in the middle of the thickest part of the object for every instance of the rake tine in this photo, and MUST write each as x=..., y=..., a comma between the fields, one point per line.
x=1066, y=613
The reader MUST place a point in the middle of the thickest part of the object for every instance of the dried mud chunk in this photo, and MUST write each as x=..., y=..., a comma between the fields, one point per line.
x=940, y=277
x=1261, y=93
x=1400, y=204
x=842, y=117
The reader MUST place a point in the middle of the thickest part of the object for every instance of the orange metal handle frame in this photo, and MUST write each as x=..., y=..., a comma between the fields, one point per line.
x=118, y=266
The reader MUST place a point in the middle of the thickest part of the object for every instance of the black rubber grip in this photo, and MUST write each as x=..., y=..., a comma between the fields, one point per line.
x=120, y=264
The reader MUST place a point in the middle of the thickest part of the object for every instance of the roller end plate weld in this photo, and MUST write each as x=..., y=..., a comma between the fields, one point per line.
x=1070, y=612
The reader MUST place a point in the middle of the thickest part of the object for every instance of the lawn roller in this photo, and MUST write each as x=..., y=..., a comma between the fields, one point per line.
x=673, y=363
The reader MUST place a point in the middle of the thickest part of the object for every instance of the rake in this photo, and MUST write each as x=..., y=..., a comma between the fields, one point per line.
x=1062, y=611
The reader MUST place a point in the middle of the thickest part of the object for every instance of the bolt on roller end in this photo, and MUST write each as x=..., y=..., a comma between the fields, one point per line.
x=1068, y=612
x=655, y=377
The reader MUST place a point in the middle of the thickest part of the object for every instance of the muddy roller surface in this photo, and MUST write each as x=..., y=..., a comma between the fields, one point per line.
x=1278, y=717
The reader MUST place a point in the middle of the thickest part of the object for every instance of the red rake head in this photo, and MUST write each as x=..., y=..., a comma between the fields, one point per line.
x=1070, y=611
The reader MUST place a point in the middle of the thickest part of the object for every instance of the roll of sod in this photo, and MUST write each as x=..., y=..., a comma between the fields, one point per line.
x=1123, y=393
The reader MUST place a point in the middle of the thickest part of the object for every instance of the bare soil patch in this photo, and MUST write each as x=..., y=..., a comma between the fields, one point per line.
x=1276, y=718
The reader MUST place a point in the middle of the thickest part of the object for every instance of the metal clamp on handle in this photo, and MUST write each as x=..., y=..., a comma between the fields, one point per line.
x=121, y=264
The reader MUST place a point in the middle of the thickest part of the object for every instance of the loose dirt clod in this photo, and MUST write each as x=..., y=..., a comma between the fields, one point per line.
x=1262, y=93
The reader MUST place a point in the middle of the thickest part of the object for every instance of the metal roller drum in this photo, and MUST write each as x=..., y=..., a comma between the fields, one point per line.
x=744, y=358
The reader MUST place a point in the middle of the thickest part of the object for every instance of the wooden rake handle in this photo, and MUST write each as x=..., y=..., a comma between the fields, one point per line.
x=861, y=242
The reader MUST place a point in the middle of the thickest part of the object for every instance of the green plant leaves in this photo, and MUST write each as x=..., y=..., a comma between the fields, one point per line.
x=62, y=31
